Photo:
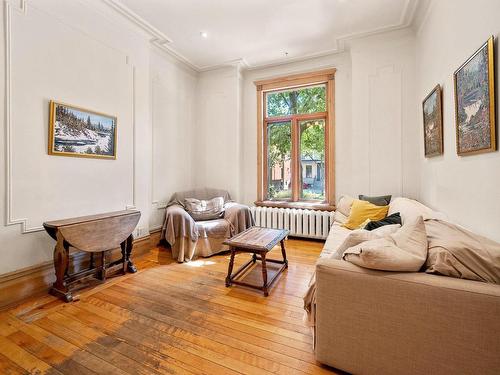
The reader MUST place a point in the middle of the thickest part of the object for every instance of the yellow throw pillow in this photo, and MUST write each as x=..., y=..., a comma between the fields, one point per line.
x=363, y=210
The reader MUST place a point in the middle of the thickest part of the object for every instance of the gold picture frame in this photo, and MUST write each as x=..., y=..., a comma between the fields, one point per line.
x=432, y=111
x=78, y=132
x=474, y=84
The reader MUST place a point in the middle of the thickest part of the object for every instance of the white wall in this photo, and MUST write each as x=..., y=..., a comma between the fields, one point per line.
x=83, y=53
x=374, y=96
x=173, y=109
x=383, y=115
x=466, y=188
x=217, y=134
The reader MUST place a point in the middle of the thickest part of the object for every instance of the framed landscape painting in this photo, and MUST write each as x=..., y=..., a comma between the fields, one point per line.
x=475, y=102
x=433, y=123
x=79, y=132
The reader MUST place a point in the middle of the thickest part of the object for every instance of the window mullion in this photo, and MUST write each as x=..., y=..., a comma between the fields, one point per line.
x=295, y=160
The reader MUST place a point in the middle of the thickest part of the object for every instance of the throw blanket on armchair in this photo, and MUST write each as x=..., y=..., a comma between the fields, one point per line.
x=189, y=238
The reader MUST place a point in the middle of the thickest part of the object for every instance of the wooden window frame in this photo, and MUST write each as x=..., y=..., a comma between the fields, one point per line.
x=326, y=77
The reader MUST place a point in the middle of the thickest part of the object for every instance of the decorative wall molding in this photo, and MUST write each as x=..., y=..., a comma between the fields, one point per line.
x=9, y=220
x=22, y=8
x=378, y=73
x=162, y=41
x=134, y=138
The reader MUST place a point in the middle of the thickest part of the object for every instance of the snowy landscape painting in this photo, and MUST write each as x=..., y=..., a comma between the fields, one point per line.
x=79, y=132
x=433, y=123
x=475, y=102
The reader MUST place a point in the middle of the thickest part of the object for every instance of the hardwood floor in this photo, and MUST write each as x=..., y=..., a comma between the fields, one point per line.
x=169, y=318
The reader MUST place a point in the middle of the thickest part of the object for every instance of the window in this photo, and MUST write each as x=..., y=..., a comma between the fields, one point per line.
x=309, y=171
x=295, y=140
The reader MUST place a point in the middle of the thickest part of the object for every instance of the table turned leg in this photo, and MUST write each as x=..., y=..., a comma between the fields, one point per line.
x=264, y=274
x=283, y=252
x=130, y=265
x=123, y=246
x=61, y=265
x=102, y=267
x=230, y=267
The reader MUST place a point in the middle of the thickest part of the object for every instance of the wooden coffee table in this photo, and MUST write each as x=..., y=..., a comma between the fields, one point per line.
x=258, y=241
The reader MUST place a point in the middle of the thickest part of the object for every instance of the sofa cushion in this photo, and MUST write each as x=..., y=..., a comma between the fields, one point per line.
x=339, y=217
x=404, y=250
x=344, y=205
x=205, y=209
x=358, y=236
x=336, y=236
x=456, y=252
x=362, y=210
x=410, y=209
x=382, y=200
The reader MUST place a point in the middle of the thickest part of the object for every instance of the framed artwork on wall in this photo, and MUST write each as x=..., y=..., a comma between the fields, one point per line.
x=433, y=123
x=79, y=132
x=475, y=102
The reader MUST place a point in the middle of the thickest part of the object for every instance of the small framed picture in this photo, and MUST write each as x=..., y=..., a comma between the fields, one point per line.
x=433, y=123
x=79, y=132
x=475, y=102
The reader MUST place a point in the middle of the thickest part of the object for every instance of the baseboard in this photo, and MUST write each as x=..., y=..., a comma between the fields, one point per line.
x=36, y=280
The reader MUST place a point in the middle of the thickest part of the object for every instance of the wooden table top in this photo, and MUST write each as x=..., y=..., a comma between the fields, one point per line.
x=83, y=219
x=95, y=233
x=257, y=238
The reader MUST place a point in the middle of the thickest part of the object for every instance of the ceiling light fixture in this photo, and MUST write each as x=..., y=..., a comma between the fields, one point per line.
x=204, y=34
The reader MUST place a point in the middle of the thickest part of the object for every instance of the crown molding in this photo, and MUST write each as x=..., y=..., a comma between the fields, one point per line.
x=162, y=42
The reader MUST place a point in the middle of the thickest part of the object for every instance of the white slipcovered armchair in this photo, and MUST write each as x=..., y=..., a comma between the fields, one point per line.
x=189, y=238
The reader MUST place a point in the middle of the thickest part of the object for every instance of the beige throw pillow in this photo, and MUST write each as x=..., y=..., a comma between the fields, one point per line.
x=358, y=236
x=204, y=210
x=404, y=250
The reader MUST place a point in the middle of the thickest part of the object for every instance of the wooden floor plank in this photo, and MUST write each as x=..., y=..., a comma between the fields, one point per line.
x=24, y=359
x=7, y=367
x=170, y=318
x=169, y=342
x=180, y=328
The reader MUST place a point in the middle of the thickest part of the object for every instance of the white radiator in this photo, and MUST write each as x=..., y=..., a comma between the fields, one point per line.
x=300, y=223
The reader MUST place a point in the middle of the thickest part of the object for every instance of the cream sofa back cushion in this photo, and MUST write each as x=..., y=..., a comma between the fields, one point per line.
x=404, y=250
x=410, y=209
x=344, y=205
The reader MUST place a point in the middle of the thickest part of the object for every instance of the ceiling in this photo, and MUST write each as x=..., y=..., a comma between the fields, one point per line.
x=263, y=32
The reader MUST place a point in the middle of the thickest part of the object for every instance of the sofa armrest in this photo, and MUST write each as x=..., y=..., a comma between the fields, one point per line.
x=370, y=321
x=178, y=223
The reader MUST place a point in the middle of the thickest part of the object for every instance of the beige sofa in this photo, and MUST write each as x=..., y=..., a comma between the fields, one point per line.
x=376, y=322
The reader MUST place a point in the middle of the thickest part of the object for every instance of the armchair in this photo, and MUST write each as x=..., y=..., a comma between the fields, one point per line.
x=189, y=238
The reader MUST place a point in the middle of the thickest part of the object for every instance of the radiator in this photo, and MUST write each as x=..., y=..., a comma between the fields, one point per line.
x=300, y=223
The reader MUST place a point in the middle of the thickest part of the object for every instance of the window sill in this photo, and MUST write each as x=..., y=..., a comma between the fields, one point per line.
x=300, y=205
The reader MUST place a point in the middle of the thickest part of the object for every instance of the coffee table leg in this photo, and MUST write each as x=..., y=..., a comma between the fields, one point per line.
x=264, y=274
x=283, y=252
x=230, y=268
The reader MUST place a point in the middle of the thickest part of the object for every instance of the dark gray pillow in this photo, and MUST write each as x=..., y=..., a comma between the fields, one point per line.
x=389, y=220
x=382, y=200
